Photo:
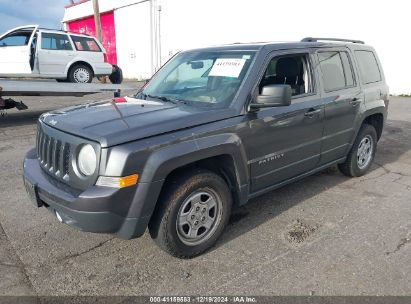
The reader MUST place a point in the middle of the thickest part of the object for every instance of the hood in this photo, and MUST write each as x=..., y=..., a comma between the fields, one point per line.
x=111, y=123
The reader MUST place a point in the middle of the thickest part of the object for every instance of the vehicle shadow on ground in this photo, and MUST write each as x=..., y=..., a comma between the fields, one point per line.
x=395, y=142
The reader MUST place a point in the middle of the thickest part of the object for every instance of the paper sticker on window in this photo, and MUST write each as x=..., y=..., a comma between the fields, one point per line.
x=227, y=67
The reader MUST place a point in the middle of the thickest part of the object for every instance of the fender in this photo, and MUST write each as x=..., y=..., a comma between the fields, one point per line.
x=163, y=161
x=172, y=157
x=378, y=106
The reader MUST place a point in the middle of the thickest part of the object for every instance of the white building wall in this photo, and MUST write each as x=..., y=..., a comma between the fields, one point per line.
x=189, y=24
x=133, y=40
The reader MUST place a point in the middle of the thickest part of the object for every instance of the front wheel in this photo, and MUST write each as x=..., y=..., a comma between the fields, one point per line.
x=192, y=214
x=362, y=153
x=80, y=73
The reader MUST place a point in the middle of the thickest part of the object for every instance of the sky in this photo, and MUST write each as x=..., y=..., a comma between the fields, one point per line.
x=47, y=13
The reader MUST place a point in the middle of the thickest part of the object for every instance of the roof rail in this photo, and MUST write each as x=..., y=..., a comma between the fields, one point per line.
x=50, y=29
x=312, y=39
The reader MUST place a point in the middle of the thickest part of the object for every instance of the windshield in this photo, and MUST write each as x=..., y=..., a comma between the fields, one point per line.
x=200, y=78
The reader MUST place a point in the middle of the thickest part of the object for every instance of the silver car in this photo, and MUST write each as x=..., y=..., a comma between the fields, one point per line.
x=30, y=51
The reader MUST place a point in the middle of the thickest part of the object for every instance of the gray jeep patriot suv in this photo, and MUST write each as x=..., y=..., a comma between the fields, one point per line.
x=212, y=129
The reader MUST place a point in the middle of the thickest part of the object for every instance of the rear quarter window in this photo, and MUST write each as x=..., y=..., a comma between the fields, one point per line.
x=85, y=44
x=369, y=69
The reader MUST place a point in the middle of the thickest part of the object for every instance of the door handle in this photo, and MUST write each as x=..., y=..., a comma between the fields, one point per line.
x=355, y=101
x=311, y=112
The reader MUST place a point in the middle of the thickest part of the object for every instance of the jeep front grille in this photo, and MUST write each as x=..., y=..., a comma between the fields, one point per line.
x=54, y=155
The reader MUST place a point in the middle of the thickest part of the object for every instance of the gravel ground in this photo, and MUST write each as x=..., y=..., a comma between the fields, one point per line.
x=324, y=235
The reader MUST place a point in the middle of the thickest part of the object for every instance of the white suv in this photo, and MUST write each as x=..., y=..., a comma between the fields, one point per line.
x=30, y=51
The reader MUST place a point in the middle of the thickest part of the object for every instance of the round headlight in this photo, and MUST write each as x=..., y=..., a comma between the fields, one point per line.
x=87, y=160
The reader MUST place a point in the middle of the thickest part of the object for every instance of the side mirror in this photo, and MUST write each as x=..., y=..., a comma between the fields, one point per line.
x=273, y=95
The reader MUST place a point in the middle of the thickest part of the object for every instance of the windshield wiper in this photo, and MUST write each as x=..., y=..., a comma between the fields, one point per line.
x=144, y=96
x=162, y=98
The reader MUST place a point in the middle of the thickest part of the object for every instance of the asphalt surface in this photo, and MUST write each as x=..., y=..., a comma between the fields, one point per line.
x=324, y=235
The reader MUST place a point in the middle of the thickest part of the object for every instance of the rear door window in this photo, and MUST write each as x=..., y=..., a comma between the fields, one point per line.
x=85, y=44
x=50, y=41
x=369, y=69
x=336, y=70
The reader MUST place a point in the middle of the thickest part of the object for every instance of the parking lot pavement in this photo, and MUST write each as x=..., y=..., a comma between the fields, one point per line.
x=324, y=235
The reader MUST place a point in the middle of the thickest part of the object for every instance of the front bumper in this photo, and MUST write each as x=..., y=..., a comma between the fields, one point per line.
x=97, y=209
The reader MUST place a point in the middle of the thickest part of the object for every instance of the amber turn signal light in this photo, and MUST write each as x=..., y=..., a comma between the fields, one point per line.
x=117, y=182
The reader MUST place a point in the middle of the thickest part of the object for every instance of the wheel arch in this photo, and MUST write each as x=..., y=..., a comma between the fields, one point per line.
x=223, y=165
x=377, y=121
x=73, y=64
x=222, y=154
x=375, y=116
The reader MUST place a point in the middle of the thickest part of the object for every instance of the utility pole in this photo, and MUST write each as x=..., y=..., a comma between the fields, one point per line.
x=155, y=11
x=97, y=21
x=159, y=36
x=153, y=4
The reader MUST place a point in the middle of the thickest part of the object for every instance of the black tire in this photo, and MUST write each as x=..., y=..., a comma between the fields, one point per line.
x=351, y=166
x=163, y=225
x=80, y=73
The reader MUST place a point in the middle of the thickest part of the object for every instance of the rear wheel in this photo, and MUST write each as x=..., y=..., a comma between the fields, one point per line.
x=362, y=153
x=80, y=73
x=192, y=214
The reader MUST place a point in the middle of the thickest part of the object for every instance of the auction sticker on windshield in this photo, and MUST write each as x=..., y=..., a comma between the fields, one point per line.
x=227, y=67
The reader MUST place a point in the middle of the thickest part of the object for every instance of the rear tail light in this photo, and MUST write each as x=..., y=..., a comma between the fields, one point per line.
x=105, y=57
